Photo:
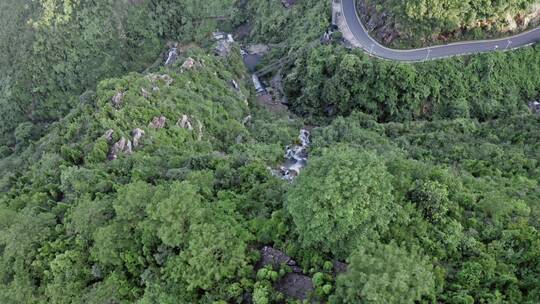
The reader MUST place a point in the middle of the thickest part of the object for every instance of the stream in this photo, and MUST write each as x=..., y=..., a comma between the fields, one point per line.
x=295, y=158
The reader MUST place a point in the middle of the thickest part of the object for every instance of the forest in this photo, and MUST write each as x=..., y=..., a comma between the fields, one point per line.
x=426, y=22
x=125, y=180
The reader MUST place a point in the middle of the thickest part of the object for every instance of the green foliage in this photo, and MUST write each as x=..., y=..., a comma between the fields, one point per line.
x=167, y=221
x=343, y=197
x=329, y=81
x=385, y=274
x=180, y=217
x=456, y=183
x=51, y=51
x=293, y=28
x=431, y=198
x=421, y=22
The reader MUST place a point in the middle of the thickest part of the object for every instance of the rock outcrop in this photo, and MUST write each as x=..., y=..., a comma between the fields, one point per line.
x=247, y=119
x=122, y=146
x=145, y=93
x=294, y=284
x=118, y=99
x=190, y=64
x=235, y=85
x=137, y=135
x=108, y=136
x=158, y=122
x=185, y=123
x=155, y=78
x=339, y=267
x=296, y=158
x=277, y=258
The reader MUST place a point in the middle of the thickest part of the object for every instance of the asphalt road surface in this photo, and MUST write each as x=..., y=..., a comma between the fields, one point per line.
x=371, y=46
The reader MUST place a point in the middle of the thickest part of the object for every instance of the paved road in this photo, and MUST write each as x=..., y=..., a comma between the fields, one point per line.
x=371, y=46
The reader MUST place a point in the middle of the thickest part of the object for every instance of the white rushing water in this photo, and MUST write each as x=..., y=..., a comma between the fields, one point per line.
x=173, y=54
x=295, y=158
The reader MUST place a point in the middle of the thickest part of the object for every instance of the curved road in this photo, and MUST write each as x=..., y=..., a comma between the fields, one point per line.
x=371, y=46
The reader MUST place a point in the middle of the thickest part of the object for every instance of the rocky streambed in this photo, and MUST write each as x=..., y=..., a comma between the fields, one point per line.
x=295, y=158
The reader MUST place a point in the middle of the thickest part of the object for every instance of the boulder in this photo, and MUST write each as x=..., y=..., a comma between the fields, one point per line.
x=185, y=123
x=145, y=93
x=117, y=99
x=276, y=258
x=288, y=3
x=154, y=78
x=339, y=267
x=247, y=119
x=158, y=122
x=137, y=135
x=121, y=146
x=295, y=285
x=190, y=64
x=108, y=136
x=258, y=49
x=235, y=85
x=223, y=48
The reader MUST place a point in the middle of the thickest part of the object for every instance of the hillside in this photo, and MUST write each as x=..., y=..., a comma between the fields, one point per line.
x=131, y=176
x=416, y=23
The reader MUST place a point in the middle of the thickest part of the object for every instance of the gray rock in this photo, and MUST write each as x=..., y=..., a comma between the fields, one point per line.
x=185, y=123
x=274, y=257
x=295, y=285
x=190, y=64
x=158, y=122
x=247, y=119
x=118, y=99
x=121, y=146
x=239, y=139
x=129, y=147
x=137, y=135
x=108, y=136
x=223, y=48
x=154, y=78
x=235, y=85
x=339, y=267
x=145, y=93
x=117, y=148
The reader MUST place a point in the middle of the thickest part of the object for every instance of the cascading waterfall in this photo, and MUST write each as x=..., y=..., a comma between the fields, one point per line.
x=295, y=158
x=173, y=55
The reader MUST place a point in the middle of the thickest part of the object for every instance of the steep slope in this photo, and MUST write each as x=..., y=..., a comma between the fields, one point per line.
x=143, y=192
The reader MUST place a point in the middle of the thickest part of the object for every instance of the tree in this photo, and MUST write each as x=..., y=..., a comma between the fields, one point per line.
x=381, y=273
x=431, y=198
x=343, y=196
x=213, y=243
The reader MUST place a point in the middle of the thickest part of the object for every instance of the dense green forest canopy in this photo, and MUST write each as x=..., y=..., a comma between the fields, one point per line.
x=52, y=51
x=126, y=181
x=330, y=80
x=421, y=22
